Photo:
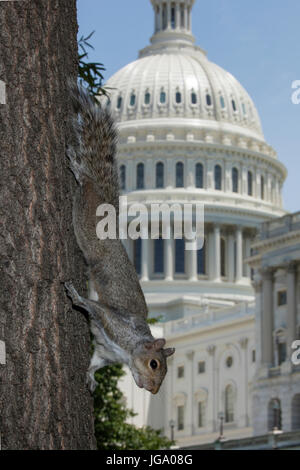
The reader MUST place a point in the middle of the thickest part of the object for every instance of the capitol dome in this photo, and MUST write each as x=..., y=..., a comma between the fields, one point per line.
x=170, y=83
x=189, y=133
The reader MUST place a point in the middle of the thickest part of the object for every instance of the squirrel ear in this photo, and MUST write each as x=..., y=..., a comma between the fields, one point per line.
x=169, y=351
x=159, y=344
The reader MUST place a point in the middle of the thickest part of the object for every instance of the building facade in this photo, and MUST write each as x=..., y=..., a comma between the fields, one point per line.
x=189, y=132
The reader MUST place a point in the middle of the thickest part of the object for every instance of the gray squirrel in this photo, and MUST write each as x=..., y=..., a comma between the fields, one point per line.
x=118, y=318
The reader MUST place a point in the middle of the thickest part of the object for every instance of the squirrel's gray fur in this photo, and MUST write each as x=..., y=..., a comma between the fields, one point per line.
x=119, y=316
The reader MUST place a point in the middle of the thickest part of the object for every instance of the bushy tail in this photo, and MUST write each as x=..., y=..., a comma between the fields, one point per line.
x=97, y=139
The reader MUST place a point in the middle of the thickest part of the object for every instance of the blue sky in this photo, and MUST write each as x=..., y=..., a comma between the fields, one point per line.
x=257, y=41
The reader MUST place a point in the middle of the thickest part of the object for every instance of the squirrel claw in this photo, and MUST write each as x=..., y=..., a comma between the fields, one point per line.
x=72, y=293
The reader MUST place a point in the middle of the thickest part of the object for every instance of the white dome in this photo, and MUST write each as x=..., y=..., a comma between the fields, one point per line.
x=177, y=72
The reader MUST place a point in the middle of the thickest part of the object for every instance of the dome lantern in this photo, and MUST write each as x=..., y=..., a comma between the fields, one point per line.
x=172, y=20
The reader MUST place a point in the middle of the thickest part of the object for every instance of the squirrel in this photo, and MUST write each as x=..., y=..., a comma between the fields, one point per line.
x=118, y=319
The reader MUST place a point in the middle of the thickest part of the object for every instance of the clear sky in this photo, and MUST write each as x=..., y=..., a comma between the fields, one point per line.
x=258, y=41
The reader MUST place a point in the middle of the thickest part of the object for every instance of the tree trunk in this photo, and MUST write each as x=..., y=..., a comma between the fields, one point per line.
x=44, y=403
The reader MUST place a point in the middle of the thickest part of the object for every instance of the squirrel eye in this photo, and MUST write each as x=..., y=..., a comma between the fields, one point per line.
x=153, y=364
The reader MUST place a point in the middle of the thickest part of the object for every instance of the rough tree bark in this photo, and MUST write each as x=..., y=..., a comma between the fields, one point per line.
x=44, y=403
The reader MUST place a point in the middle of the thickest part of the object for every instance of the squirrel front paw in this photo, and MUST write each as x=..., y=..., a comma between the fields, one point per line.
x=91, y=382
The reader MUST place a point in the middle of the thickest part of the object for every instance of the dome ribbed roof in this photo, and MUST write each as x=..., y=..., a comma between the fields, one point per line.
x=174, y=79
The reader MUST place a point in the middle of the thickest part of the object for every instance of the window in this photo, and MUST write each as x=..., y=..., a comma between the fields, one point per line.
x=173, y=17
x=250, y=183
x=208, y=100
x=119, y=102
x=140, y=176
x=281, y=298
x=178, y=97
x=201, y=367
x=229, y=362
x=199, y=175
x=163, y=97
x=164, y=16
x=218, y=177
x=253, y=355
x=147, y=98
x=193, y=98
x=138, y=255
x=182, y=15
x=223, y=257
x=179, y=175
x=233, y=105
x=262, y=188
x=296, y=412
x=180, y=418
x=235, y=180
x=159, y=175
x=179, y=256
x=222, y=102
x=201, y=414
x=281, y=348
x=274, y=414
x=123, y=177
x=159, y=256
x=132, y=99
x=180, y=372
x=201, y=261
x=229, y=404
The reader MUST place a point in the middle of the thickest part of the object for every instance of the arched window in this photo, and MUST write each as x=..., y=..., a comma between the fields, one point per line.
x=147, y=98
x=158, y=256
x=223, y=257
x=235, y=180
x=250, y=183
x=123, y=177
x=229, y=404
x=199, y=175
x=274, y=415
x=222, y=102
x=262, y=187
x=201, y=414
x=159, y=175
x=296, y=412
x=193, y=98
x=132, y=99
x=140, y=176
x=201, y=261
x=179, y=256
x=119, y=102
x=233, y=105
x=208, y=100
x=138, y=255
x=163, y=97
x=218, y=177
x=179, y=175
x=178, y=97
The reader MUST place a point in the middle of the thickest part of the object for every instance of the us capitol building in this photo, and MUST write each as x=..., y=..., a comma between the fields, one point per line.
x=189, y=132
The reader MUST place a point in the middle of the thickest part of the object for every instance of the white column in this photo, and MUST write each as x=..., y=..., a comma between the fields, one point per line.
x=291, y=307
x=145, y=260
x=168, y=15
x=211, y=256
x=217, y=252
x=212, y=402
x=177, y=16
x=243, y=389
x=192, y=256
x=190, y=400
x=267, y=325
x=239, y=254
x=185, y=17
x=169, y=257
x=230, y=256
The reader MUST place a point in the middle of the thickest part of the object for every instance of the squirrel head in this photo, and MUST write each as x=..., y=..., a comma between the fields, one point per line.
x=149, y=364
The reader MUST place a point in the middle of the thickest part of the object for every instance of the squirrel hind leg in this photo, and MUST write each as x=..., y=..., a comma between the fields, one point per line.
x=75, y=167
x=97, y=362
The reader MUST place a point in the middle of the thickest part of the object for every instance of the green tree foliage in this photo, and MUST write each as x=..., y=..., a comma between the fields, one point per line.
x=112, y=430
